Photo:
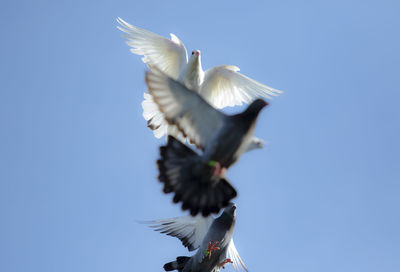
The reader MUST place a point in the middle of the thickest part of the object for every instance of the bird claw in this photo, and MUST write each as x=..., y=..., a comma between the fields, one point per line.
x=211, y=247
x=225, y=262
x=218, y=171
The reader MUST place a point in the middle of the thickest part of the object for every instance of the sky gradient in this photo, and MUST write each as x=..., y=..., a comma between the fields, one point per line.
x=77, y=162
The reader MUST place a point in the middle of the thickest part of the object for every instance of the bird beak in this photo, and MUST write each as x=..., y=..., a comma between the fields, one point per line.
x=198, y=53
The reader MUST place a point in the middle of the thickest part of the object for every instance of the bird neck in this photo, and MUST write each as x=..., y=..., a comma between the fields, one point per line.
x=193, y=75
x=226, y=221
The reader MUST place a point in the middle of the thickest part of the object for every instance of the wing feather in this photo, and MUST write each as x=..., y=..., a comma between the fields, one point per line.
x=190, y=230
x=194, y=117
x=224, y=86
x=168, y=54
x=238, y=263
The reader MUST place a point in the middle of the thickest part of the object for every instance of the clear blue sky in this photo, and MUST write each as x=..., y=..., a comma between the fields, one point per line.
x=77, y=161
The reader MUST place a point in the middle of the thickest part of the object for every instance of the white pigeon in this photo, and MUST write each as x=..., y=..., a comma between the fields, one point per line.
x=212, y=236
x=221, y=86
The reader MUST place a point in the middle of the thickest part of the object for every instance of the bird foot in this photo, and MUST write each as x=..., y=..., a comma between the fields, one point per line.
x=218, y=171
x=211, y=247
x=225, y=262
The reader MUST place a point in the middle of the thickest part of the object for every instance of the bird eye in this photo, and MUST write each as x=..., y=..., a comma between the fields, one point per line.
x=192, y=52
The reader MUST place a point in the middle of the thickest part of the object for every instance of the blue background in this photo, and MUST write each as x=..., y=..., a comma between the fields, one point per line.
x=78, y=163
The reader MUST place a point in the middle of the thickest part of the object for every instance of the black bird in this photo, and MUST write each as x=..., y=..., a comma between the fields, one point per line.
x=198, y=179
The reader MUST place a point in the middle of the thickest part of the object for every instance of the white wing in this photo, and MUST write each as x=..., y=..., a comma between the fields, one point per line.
x=169, y=55
x=238, y=263
x=190, y=230
x=224, y=86
x=194, y=117
x=155, y=119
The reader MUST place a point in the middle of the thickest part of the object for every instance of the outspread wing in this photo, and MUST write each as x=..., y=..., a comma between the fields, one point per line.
x=190, y=230
x=224, y=86
x=194, y=117
x=169, y=55
x=238, y=263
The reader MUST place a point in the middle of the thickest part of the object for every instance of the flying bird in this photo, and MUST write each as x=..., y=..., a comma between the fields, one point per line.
x=211, y=236
x=221, y=86
x=197, y=180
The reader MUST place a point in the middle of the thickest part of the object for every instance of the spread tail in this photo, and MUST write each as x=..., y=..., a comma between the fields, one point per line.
x=183, y=173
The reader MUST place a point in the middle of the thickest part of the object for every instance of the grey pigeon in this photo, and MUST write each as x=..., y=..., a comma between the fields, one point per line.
x=198, y=180
x=221, y=86
x=211, y=236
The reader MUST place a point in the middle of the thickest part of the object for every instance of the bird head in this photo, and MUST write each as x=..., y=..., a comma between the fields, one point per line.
x=255, y=107
x=196, y=53
x=258, y=104
x=195, y=57
x=229, y=212
x=227, y=218
x=256, y=143
x=259, y=143
x=231, y=209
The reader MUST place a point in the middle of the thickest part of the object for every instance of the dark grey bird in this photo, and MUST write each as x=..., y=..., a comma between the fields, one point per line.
x=211, y=236
x=198, y=180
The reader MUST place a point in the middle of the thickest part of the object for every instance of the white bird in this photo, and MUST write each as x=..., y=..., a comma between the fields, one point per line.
x=221, y=86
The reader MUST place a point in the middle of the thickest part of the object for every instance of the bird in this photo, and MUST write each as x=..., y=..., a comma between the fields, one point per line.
x=221, y=86
x=211, y=236
x=198, y=180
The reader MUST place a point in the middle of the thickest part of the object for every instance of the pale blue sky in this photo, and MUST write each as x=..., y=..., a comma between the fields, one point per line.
x=78, y=163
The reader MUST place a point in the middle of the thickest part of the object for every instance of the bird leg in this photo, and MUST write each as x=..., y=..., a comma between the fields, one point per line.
x=218, y=171
x=211, y=247
x=225, y=262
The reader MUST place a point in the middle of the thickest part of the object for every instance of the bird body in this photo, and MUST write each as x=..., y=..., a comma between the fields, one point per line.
x=198, y=180
x=221, y=231
x=213, y=237
x=227, y=146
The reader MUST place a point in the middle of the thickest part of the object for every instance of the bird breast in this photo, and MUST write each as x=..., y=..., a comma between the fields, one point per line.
x=192, y=77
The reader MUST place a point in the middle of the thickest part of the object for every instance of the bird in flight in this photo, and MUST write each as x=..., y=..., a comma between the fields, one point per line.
x=221, y=86
x=211, y=236
x=198, y=180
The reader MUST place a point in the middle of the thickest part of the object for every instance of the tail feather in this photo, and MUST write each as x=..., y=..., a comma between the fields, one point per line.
x=179, y=264
x=183, y=173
